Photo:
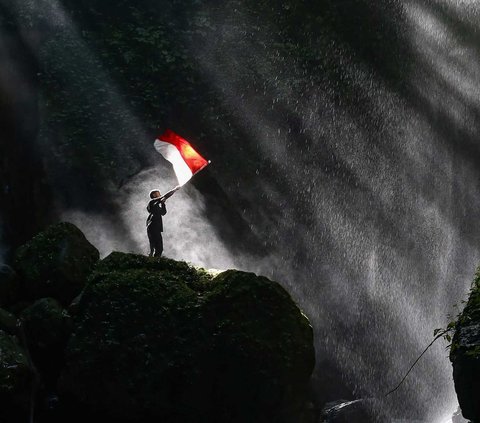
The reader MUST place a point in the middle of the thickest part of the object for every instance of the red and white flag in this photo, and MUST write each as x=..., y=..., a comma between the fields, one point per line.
x=178, y=151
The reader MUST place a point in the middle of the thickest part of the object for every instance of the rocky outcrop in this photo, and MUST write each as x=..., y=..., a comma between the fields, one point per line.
x=157, y=339
x=55, y=263
x=465, y=355
x=148, y=339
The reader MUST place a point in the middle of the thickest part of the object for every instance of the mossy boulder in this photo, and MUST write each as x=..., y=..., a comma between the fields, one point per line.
x=134, y=344
x=465, y=355
x=159, y=339
x=9, y=285
x=262, y=345
x=15, y=379
x=55, y=263
x=46, y=326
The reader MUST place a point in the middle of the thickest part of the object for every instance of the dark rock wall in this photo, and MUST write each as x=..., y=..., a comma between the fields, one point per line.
x=25, y=202
x=465, y=355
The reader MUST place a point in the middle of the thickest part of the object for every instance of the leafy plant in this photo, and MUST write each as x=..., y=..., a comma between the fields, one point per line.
x=470, y=313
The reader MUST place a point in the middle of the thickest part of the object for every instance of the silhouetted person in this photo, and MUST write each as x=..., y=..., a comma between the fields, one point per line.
x=156, y=208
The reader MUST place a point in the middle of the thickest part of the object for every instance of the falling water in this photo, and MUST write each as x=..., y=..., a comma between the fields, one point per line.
x=378, y=201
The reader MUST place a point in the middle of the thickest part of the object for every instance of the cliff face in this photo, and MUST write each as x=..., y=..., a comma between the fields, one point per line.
x=24, y=193
x=465, y=355
x=147, y=338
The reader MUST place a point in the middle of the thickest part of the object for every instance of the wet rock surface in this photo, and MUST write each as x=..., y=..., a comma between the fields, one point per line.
x=465, y=355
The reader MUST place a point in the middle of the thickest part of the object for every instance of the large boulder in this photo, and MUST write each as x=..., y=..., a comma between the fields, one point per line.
x=15, y=380
x=155, y=339
x=465, y=355
x=46, y=326
x=262, y=347
x=134, y=345
x=55, y=263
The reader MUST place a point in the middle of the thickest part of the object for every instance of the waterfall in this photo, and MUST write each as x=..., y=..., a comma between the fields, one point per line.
x=350, y=149
x=375, y=184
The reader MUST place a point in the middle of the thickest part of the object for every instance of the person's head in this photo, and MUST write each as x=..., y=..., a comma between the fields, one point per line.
x=155, y=193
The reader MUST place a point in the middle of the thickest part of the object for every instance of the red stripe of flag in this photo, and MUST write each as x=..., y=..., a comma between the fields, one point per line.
x=193, y=160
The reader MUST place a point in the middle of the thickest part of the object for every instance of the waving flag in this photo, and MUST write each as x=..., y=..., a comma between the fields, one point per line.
x=178, y=151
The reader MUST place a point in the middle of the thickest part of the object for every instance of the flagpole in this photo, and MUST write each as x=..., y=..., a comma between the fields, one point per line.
x=172, y=191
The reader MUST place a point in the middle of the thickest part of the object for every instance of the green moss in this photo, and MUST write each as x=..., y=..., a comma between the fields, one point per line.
x=55, y=263
x=155, y=338
x=472, y=308
x=469, y=315
x=117, y=261
x=197, y=279
x=135, y=327
x=263, y=342
x=465, y=353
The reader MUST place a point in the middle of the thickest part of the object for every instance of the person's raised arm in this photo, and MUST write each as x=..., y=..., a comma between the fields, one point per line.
x=169, y=194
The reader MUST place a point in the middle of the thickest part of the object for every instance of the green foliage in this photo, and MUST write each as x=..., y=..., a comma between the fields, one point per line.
x=132, y=61
x=446, y=333
x=470, y=314
x=473, y=352
x=465, y=353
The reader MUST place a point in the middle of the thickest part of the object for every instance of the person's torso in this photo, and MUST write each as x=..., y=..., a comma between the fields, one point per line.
x=155, y=217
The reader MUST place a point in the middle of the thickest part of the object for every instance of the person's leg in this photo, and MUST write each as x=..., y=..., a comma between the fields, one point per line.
x=158, y=245
x=151, y=241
